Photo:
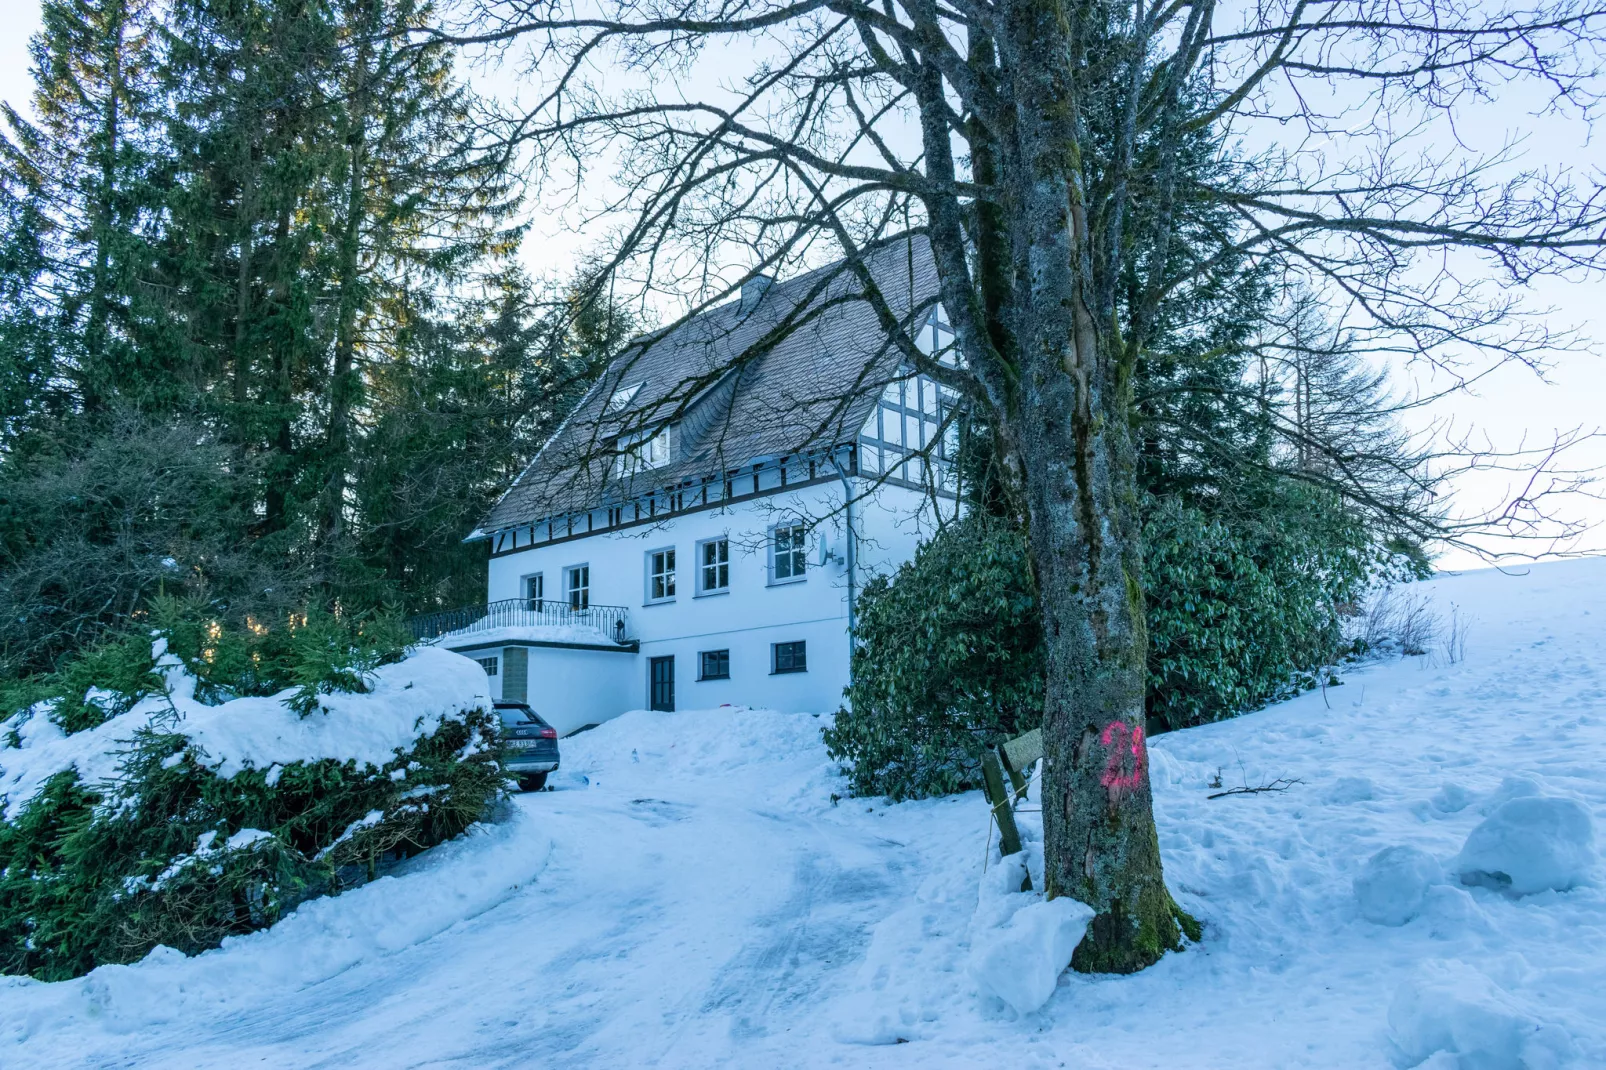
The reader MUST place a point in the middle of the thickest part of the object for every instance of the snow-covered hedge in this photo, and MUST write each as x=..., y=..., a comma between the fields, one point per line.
x=174, y=821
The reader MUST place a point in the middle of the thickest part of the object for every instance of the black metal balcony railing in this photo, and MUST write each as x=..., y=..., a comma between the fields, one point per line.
x=610, y=621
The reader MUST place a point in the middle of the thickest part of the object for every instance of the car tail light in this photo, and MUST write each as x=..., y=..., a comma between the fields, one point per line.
x=549, y=733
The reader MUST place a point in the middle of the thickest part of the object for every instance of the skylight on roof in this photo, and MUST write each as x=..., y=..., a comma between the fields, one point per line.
x=623, y=397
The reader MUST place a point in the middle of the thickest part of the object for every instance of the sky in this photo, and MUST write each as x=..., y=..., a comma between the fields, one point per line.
x=1513, y=406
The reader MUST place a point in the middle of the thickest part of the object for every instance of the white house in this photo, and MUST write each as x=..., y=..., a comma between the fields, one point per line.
x=696, y=532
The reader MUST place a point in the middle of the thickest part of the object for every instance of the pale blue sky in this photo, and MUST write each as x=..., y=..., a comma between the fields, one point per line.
x=1508, y=406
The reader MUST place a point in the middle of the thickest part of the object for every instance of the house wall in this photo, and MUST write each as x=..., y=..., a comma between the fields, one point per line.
x=570, y=688
x=573, y=687
x=891, y=524
x=753, y=614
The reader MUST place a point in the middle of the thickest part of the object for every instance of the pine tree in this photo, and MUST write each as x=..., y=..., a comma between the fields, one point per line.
x=421, y=211
x=82, y=170
x=249, y=87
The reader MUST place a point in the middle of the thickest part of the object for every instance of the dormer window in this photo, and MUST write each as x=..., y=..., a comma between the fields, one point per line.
x=638, y=452
x=623, y=397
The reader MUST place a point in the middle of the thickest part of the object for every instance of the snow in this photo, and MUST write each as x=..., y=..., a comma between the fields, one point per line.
x=1530, y=844
x=690, y=896
x=406, y=700
x=1393, y=887
x=473, y=637
x=1451, y=1007
x=1019, y=961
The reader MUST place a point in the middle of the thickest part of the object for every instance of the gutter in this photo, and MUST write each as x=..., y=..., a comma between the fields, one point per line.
x=847, y=507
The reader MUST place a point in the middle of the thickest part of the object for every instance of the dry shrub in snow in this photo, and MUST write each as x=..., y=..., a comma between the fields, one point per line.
x=1398, y=621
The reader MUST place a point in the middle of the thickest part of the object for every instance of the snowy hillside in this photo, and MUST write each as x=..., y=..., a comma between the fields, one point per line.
x=691, y=897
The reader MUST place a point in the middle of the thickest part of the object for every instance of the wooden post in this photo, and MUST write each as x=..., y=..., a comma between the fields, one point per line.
x=1003, y=809
x=1017, y=780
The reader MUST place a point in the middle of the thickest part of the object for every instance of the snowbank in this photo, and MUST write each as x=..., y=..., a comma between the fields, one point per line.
x=320, y=940
x=1530, y=844
x=1020, y=943
x=1451, y=1007
x=763, y=755
x=690, y=895
x=1393, y=887
x=406, y=700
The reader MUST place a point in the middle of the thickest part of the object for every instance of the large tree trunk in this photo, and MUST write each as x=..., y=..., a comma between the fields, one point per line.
x=1098, y=817
x=1073, y=434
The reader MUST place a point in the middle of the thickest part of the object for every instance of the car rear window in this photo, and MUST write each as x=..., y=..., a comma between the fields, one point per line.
x=516, y=716
x=513, y=717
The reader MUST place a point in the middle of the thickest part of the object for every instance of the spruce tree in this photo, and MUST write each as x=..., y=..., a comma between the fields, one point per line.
x=80, y=201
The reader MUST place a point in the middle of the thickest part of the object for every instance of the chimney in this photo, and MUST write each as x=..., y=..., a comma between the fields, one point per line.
x=753, y=291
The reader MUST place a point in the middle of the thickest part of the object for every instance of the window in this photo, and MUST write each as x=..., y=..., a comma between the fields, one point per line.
x=714, y=566
x=643, y=451
x=789, y=553
x=661, y=575
x=577, y=584
x=623, y=397
x=488, y=664
x=892, y=424
x=534, y=590
x=714, y=665
x=789, y=657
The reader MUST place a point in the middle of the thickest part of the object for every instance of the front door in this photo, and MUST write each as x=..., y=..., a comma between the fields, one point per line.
x=661, y=673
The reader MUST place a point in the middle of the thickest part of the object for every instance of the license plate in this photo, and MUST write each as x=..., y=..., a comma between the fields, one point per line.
x=523, y=744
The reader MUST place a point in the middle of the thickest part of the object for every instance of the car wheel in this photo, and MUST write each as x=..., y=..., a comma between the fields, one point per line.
x=533, y=782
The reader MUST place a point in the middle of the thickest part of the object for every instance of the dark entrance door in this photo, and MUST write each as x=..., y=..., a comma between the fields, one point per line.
x=661, y=671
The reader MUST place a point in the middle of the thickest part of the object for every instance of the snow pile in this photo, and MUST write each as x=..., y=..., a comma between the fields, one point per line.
x=1020, y=943
x=760, y=754
x=1451, y=1007
x=1393, y=887
x=322, y=939
x=406, y=700
x=1530, y=844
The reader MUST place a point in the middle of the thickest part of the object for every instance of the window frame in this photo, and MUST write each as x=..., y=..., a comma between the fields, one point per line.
x=799, y=554
x=622, y=397
x=702, y=664
x=703, y=590
x=569, y=587
x=491, y=665
x=671, y=587
x=533, y=601
x=795, y=646
x=635, y=452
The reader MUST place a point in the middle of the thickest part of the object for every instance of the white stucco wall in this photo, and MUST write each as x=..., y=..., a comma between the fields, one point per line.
x=568, y=687
x=746, y=619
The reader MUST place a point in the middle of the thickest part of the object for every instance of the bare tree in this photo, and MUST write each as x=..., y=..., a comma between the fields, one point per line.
x=1066, y=162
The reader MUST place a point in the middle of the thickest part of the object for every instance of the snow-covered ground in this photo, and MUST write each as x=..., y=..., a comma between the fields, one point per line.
x=691, y=897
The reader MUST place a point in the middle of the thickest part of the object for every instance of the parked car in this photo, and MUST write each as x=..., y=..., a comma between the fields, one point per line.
x=529, y=745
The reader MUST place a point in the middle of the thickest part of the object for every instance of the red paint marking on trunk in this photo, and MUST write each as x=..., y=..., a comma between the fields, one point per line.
x=1128, y=758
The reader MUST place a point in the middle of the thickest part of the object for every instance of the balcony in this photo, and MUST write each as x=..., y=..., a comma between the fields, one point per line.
x=538, y=619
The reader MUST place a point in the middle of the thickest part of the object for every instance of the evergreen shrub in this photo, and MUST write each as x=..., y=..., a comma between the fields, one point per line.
x=313, y=651
x=1248, y=609
x=950, y=660
x=170, y=852
x=1243, y=609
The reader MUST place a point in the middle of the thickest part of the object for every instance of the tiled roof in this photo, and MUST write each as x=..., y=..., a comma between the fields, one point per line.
x=799, y=372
